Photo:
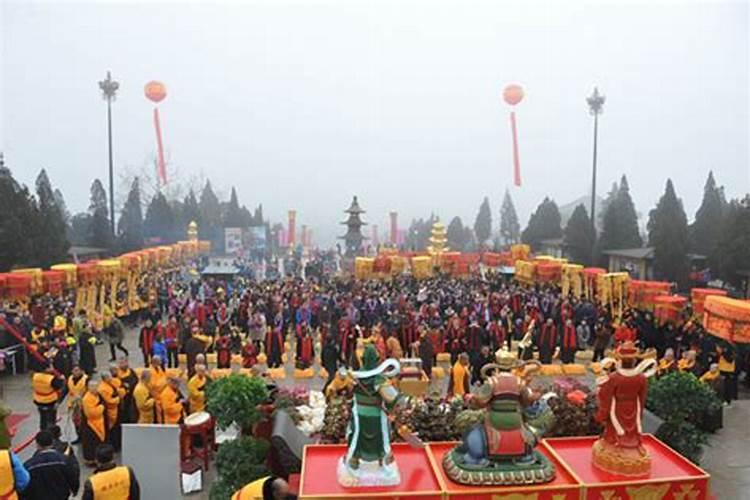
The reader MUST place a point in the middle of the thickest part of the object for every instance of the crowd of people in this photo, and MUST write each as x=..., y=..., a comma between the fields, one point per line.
x=463, y=320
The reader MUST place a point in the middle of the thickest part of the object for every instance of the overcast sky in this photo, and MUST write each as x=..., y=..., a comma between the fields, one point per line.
x=303, y=104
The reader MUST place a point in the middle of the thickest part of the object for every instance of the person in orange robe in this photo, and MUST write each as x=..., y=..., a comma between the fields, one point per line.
x=172, y=406
x=112, y=393
x=93, y=427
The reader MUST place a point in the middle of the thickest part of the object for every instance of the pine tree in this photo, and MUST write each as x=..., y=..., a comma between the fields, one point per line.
x=210, y=227
x=159, y=222
x=606, y=203
x=483, y=222
x=544, y=224
x=190, y=212
x=99, y=230
x=15, y=221
x=620, y=223
x=51, y=243
x=456, y=235
x=706, y=229
x=80, y=229
x=668, y=234
x=510, y=228
x=732, y=253
x=579, y=236
x=233, y=217
x=130, y=226
x=258, y=216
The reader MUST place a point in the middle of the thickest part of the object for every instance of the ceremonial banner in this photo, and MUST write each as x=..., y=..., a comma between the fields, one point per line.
x=232, y=240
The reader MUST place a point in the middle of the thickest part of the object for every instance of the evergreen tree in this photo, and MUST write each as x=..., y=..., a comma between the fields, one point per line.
x=706, y=229
x=456, y=235
x=159, y=222
x=15, y=221
x=483, y=222
x=210, y=227
x=130, y=226
x=544, y=224
x=732, y=253
x=620, y=223
x=579, y=236
x=99, y=231
x=60, y=200
x=80, y=229
x=51, y=243
x=668, y=234
x=606, y=203
x=510, y=229
x=190, y=212
x=233, y=217
x=258, y=216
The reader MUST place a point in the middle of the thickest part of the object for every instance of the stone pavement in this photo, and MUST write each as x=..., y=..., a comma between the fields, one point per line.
x=727, y=458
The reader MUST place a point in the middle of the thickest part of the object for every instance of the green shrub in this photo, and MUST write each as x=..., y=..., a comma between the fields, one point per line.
x=682, y=401
x=239, y=462
x=234, y=399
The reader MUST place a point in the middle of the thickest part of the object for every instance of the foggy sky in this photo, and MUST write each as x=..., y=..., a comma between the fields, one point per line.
x=303, y=104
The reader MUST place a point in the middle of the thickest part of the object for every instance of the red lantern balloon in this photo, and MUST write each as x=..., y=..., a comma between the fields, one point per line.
x=512, y=94
x=155, y=91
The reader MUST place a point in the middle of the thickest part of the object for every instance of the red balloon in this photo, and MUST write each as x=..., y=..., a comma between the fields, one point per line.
x=155, y=91
x=512, y=94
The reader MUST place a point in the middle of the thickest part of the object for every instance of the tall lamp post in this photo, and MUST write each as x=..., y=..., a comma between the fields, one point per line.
x=109, y=89
x=596, y=103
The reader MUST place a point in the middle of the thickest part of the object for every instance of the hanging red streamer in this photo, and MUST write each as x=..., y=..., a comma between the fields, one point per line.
x=161, y=164
x=516, y=160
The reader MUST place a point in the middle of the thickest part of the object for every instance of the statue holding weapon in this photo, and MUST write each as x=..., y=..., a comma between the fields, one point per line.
x=369, y=459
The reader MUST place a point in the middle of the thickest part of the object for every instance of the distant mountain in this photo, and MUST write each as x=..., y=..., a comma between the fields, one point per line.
x=567, y=210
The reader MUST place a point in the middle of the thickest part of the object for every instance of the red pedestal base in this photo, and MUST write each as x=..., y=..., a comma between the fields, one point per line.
x=318, y=478
x=672, y=476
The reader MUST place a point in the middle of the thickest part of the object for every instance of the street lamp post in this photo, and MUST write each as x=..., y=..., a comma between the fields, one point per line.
x=596, y=104
x=109, y=89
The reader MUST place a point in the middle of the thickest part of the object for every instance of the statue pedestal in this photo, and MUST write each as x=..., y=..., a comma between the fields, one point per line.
x=367, y=474
x=671, y=475
x=320, y=465
x=563, y=487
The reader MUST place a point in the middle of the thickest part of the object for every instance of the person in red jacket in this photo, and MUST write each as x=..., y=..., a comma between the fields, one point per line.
x=146, y=341
x=223, y=347
x=569, y=343
x=547, y=342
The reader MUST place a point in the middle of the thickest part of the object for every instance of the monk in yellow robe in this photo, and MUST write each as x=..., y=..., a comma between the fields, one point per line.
x=197, y=389
x=93, y=428
x=171, y=403
x=145, y=403
x=459, y=381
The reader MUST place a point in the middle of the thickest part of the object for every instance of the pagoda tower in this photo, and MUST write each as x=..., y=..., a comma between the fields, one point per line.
x=353, y=238
x=438, y=239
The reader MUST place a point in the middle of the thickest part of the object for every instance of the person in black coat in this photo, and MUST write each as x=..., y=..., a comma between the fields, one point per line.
x=329, y=358
x=52, y=475
x=426, y=353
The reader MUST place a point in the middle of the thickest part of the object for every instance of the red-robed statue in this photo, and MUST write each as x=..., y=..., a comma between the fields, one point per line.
x=622, y=397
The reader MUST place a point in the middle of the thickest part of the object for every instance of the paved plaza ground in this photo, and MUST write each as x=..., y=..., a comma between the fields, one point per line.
x=727, y=458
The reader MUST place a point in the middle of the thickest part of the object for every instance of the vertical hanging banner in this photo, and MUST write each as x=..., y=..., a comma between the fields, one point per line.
x=512, y=95
x=156, y=92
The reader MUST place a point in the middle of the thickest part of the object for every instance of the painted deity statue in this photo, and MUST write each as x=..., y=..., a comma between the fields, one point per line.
x=500, y=450
x=622, y=396
x=369, y=460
